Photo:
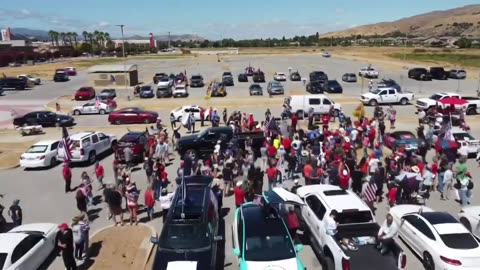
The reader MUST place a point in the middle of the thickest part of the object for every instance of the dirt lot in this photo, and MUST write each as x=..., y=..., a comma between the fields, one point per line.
x=121, y=248
x=10, y=153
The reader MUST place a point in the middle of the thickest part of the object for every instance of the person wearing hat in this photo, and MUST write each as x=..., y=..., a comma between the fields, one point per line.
x=65, y=243
x=15, y=212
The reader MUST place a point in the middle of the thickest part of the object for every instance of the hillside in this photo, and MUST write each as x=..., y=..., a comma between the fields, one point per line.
x=462, y=21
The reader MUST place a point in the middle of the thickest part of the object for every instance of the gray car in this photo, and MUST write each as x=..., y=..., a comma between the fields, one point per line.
x=255, y=90
x=275, y=88
x=107, y=93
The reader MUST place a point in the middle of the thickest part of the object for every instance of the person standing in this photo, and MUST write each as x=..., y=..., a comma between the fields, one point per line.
x=202, y=117
x=192, y=122
x=67, y=176
x=128, y=155
x=446, y=183
x=99, y=173
x=78, y=232
x=65, y=243
x=149, y=201
x=239, y=194
x=115, y=167
x=81, y=198
x=292, y=222
x=165, y=202
x=272, y=176
x=132, y=201
x=15, y=212
x=114, y=201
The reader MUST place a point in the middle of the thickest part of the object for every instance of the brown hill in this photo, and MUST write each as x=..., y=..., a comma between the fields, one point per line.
x=462, y=21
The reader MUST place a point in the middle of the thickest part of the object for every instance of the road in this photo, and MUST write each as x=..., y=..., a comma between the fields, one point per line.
x=41, y=191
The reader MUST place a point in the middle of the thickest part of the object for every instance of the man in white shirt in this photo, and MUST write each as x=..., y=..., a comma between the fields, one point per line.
x=421, y=115
x=331, y=224
x=463, y=150
x=447, y=183
x=373, y=165
x=387, y=232
x=353, y=137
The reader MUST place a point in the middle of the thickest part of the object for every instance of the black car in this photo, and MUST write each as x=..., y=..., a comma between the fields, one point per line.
x=255, y=90
x=332, y=86
x=318, y=76
x=146, y=92
x=389, y=83
x=439, y=73
x=315, y=87
x=164, y=92
x=420, y=74
x=60, y=76
x=242, y=77
x=14, y=83
x=295, y=76
x=258, y=77
x=158, y=76
x=191, y=229
x=44, y=118
x=349, y=77
x=197, y=81
x=227, y=79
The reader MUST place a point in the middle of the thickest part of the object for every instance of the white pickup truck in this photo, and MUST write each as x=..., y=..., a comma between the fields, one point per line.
x=386, y=95
x=368, y=72
x=427, y=103
x=86, y=146
x=356, y=223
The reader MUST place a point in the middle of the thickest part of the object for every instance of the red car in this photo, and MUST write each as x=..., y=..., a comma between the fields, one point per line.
x=405, y=139
x=85, y=93
x=132, y=116
x=71, y=71
x=137, y=141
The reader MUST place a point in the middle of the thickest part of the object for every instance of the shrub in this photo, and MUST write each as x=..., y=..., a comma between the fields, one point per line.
x=447, y=50
x=419, y=51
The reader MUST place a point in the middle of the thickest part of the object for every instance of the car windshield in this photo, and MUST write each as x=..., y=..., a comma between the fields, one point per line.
x=146, y=88
x=333, y=83
x=196, y=77
x=107, y=91
x=463, y=137
x=3, y=258
x=459, y=241
x=376, y=91
x=37, y=149
x=185, y=235
x=165, y=79
x=461, y=70
x=276, y=84
x=435, y=97
x=268, y=241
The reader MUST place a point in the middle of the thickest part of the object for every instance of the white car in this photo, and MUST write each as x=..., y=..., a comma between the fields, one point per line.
x=180, y=91
x=386, y=95
x=41, y=154
x=90, y=108
x=279, y=76
x=470, y=218
x=462, y=137
x=165, y=82
x=30, y=78
x=179, y=112
x=27, y=246
x=86, y=146
x=368, y=72
x=440, y=240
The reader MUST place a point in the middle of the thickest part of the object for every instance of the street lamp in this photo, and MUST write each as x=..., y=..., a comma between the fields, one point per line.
x=478, y=87
x=123, y=54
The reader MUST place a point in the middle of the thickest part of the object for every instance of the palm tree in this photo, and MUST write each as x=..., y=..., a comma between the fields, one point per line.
x=106, y=35
x=62, y=36
x=51, y=34
x=85, y=36
x=90, y=37
x=55, y=37
x=74, y=35
x=95, y=36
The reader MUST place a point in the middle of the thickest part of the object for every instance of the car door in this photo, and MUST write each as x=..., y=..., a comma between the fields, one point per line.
x=237, y=235
x=31, y=118
x=326, y=104
x=209, y=142
x=104, y=141
x=314, y=215
x=97, y=145
x=89, y=108
x=392, y=96
x=28, y=253
x=417, y=233
x=128, y=117
x=52, y=152
x=196, y=113
x=315, y=104
x=37, y=252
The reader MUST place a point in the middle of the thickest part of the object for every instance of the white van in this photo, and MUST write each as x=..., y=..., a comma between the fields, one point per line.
x=320, y=103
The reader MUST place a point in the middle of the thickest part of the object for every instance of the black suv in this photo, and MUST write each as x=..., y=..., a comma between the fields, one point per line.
x=191, y=230
x=420, y=74
x=14, y=83
x=158, y=76
x=318, y=76
x=439, y=73
x=295, y=76
x=315, y=87
x=227, y=79
x=197, y=81
x=258, y=77
x=60, y=76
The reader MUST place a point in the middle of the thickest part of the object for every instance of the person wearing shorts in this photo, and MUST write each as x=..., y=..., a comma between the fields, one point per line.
x=132, y=202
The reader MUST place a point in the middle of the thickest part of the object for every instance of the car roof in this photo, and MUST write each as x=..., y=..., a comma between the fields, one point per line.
x=438, y=217
x=134, y=133
x=310, y=96
x=80, y=135
x=8, y=241
x=45, y=142
x=335, y=197
x=35, y=227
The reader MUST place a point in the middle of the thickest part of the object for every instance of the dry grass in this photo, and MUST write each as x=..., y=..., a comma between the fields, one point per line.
x=10, y=153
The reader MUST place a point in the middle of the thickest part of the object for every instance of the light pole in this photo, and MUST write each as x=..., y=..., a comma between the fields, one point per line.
x=405, y=48
x=169, y=40
x=123, y=55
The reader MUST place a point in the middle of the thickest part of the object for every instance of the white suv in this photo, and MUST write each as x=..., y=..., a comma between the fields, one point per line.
x=180, y=91
x=86, y=146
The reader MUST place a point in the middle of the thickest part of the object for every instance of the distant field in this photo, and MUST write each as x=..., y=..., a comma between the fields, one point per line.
x=457, y=59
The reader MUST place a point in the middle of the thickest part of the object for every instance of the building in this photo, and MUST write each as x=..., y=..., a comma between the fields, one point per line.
x=146, y=42
x=113, y=75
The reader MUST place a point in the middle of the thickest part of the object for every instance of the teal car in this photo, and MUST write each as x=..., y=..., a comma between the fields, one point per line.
x=261, y=240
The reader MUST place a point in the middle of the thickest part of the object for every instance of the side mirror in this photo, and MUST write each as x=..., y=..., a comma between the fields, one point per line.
x=236, y=251
x=299, y=247
x=154, y=240
x=218, y=238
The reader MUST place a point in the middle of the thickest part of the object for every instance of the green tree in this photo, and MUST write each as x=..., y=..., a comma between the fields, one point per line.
x=52, y=35
x=463, y=43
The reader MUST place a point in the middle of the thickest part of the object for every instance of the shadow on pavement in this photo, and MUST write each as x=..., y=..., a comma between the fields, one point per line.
x=221, y=244
x=93, y=214
x=93, y=252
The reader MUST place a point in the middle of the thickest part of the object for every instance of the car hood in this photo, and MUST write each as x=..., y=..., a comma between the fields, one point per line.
x=35, y=227
x=275, y=265
x=196, y=260
x=426, y=100
x=276, y=88
x=188, y=139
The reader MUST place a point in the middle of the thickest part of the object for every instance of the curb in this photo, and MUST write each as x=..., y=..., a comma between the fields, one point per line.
x=150, y=245
x=10, y=167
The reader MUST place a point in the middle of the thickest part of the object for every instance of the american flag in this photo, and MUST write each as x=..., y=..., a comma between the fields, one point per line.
x=67, y=145
x=370, y=194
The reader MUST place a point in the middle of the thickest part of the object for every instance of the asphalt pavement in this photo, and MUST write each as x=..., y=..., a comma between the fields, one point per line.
x=42, y=192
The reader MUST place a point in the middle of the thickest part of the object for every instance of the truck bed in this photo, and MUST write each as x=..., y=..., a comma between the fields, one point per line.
x=368, y=257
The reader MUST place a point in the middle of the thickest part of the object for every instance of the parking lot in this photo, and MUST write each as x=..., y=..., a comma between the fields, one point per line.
x=41, y=191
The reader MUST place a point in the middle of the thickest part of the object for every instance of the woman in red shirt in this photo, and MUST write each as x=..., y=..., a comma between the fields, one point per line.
x=239, y=194
x=344, y=176
x=149, y=201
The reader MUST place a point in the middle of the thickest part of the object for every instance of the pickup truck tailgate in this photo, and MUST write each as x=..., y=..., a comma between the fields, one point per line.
x=368, y=257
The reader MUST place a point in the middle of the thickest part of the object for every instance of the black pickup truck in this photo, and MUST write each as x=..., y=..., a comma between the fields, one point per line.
x=204, y=142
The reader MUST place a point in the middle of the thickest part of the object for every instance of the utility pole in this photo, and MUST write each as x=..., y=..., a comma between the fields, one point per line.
x=123, y=52
x=405, y=47
x=169, y=40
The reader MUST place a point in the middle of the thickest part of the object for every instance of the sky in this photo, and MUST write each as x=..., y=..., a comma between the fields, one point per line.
x=212, y=19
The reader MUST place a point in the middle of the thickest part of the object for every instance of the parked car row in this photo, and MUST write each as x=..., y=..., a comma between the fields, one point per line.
x=437, y=73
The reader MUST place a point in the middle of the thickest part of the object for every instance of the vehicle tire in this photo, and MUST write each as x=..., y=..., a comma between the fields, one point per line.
x=179, y=119
x=92, y=157
x=329, y=264
x=466, y=223
x=146, y=121
x=373, y=102
x=403, y=101
x=102, y=111
x=53, y=162
x=117, y=122
x=77, y=112
x=428, y=262
x=471, y=110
